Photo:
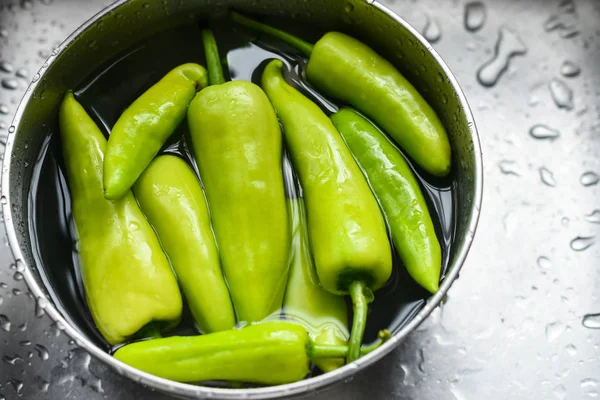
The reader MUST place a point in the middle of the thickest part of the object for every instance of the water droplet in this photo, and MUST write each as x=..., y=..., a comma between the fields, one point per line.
x=20, y=266
x=508, y=45
x=26, y=4
x=18, y=276
x=17, y=385
x=11, y=129
x=547, y=177
x=475, y=16
x=10, y=83
x=36, y=78
x=561, y=94
x=569, y=69
x=25, y=343
x=421, y=364
x=4, y=323
x=76, y=367
x=591, y=321
x=565, y=22
x=593, y=217
x=12, y=360
x=22, y=73
x=589, y=385
x=540, y=131
x=3, y=32
x=554, y=330
x=589, y=178
x=42, y=384
x=42, y=352
x=17, y=291
x=349, y=7
x=581, y=243
x=7, y=67
x=4, y=110
x=432, y=31
x=40, y=306
x=571, y=350
x=544, y=263
x=560, y=392
x=508, y=167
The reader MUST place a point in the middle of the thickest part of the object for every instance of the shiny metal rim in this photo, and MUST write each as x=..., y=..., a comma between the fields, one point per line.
x=301, y=387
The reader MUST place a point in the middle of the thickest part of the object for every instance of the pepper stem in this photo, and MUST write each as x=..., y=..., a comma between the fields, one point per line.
x=213, y=61
x=317, y=351
x=294, y=41
x=360, y=298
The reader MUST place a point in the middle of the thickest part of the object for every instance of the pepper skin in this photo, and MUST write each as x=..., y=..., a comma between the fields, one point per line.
x=270, y=353
x=237, y=142
x=323, y=314
x=127, y=278
x=399, y=195
x=172, y=199
x=346, y=229
x=146, y=125
x=349, y=70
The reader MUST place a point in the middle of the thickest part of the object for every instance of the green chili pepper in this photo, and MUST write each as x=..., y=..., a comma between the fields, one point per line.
x=347, y=69
x=270, y=353
x=346, y=229
x=323, y=314
x=172, y=199
x=238, y=146
x=127, y=278
x=146, y=125
x=399, y=195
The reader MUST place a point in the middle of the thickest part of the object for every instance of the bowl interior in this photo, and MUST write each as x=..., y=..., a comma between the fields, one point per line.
x=127, y=23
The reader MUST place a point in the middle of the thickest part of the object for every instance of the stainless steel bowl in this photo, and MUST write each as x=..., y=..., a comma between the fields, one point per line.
x=124, y=23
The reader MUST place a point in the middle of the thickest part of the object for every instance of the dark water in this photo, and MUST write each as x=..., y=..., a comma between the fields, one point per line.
x=118, y=84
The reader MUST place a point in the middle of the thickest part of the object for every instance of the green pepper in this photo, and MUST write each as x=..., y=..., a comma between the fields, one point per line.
x=399, y=195
x=127, y=278
x=346, y=69
x=270, y=353
x=237, y=142
x=347, y=231
x=323, y=314
x=146, y=125
x=172, y=199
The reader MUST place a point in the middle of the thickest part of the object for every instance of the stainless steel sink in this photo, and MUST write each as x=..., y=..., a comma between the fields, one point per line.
x=523, y=320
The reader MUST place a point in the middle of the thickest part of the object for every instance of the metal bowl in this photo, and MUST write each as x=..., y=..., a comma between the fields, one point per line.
x=125, y=23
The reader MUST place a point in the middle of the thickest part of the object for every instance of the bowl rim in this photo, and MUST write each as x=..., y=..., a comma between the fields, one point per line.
x=314, y=384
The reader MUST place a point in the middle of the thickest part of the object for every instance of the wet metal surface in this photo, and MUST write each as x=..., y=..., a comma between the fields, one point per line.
x=523, y=320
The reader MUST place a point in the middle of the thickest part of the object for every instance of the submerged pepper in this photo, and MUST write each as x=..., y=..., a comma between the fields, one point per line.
x=346, y=229
x=237, y=142
x=146, y=125
x=127, y=278
x=172, y=199
x=322, y=313
x=399, y=195
x=269, y=353
x=346, y=69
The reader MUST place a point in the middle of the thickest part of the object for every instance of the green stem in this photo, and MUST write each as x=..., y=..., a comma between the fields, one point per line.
x=294, y=41
x=383, y=335
x=317, y=351
x=213, y=60
x=359, y=303
x=324, y=351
